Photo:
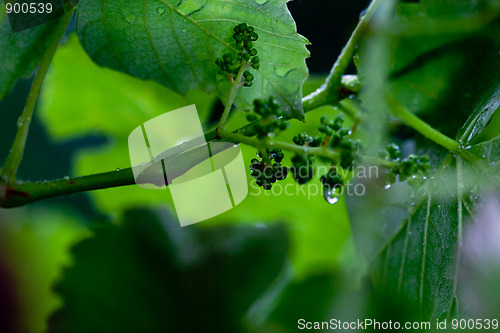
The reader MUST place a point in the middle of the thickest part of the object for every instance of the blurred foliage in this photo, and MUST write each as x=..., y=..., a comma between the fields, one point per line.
x=34, y=246
x=414, y=242
x=147, y=275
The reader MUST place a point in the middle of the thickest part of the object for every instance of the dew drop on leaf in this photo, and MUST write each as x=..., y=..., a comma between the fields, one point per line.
x=261, y=2
x=130, y=18
x=161, y=10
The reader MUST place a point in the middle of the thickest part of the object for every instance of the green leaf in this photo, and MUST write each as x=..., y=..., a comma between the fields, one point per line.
x=176, y=43
x=34, y=245
x=446, y=73
x=414, y=242
x=21, y=52
x=482, y=114
x=160, y=276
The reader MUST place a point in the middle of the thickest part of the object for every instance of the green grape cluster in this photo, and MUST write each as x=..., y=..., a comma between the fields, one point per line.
x=272, y=117
x=302, y=139
x=303, y=168
x=328, y=127
x=340, y=139
x=266, y=175
x=230, y=63
x=414, y=168
x=336, y=137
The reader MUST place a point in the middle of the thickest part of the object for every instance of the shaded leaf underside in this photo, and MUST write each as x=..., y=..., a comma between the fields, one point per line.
x=20, y=52
x=176, y=43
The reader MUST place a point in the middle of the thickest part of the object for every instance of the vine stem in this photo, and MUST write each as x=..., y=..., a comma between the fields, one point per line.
x=235, y=86
x=28, y=192
x=422, y=127
x=264, y=144
x=16, y=153
x=23, y=193
x=321, y=151
x=330, y=92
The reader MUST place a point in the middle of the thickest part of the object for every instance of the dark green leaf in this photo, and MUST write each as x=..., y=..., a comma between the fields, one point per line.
x=150, y=275
x=21, y=52
x=176, y=43
x=424, y=52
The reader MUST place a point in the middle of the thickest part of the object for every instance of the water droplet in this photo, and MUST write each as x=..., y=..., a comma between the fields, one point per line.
x=20, y=122
x=261, y=2
x=161, y=10
x=130, y=18
x=362, y=14
x=117, y=169
x=388, y=186
x=331, y=196
x=184, y=30
x=66, y=177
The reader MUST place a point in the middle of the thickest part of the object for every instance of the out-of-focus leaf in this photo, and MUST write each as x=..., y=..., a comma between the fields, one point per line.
x=414, y=239
x=9, y=304
x=34, y=246
x=419, y=62
x=309, y=300
x=149, y=275
x=20, y=52
x=176, y=43
x=480, y=267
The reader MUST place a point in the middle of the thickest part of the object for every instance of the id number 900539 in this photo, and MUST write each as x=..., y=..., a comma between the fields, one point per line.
x=28, y=7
